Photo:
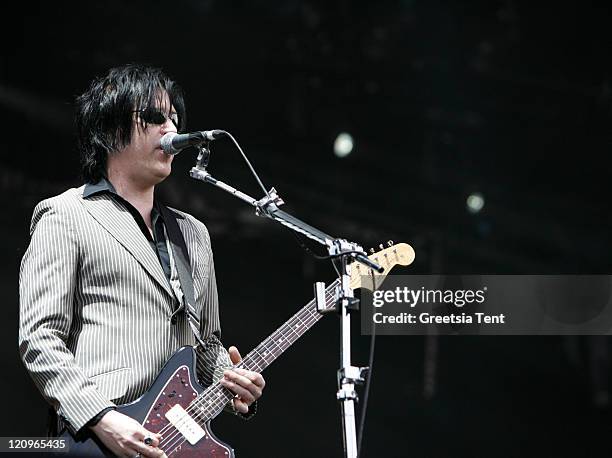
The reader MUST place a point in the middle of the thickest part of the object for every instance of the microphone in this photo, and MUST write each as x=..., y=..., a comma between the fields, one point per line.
x=173, y=143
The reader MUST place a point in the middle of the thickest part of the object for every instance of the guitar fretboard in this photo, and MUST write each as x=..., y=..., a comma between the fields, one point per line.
x=212, y=400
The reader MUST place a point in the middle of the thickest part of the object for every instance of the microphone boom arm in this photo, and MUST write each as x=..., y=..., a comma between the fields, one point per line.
x=267, y=207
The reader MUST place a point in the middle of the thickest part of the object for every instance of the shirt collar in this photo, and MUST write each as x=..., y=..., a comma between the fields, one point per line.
x=101, y=186
x=104, y=186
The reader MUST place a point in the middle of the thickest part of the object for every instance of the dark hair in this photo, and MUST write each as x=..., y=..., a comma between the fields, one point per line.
x=104, y=113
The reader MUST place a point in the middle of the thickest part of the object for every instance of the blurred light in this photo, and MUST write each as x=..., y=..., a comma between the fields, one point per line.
x=343, y=145
x=475, y=202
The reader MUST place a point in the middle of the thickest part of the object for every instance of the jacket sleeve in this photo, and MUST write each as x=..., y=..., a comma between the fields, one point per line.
x=47, y=282
x=212, y=357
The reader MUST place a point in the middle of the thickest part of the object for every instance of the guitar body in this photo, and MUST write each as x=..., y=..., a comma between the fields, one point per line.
x=175, y=384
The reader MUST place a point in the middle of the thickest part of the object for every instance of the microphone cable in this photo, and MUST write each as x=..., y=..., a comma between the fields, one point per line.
x=247, y=161
x=366, y=392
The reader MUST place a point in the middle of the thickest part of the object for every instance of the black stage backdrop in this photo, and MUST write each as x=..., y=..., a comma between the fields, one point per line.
x=444, y=99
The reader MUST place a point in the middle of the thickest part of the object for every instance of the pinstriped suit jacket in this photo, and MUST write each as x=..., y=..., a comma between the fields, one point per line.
x=95, y=305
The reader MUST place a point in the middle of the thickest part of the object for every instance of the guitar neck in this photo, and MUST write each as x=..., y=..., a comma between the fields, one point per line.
x=211, y=401
x=280, y=340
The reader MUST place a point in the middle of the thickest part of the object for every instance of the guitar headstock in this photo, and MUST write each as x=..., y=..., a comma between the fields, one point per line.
x=387, y=258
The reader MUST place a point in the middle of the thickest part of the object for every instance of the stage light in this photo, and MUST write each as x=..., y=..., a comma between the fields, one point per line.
x=475, y=202
x=343, y=145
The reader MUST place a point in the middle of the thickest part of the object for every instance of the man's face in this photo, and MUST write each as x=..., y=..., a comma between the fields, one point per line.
x=143, y=161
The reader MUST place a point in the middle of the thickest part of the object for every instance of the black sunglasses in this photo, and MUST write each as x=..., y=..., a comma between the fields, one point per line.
x=152, y=116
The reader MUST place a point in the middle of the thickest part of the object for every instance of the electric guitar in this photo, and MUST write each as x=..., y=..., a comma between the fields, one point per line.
x=180, y=409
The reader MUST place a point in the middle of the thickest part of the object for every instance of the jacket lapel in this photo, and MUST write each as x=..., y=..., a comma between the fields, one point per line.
x=119, y=223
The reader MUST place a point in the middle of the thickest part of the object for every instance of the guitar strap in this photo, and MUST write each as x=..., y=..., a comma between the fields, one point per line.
x=180, y=259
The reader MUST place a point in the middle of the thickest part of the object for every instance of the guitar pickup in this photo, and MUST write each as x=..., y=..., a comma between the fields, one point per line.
x=185, y=424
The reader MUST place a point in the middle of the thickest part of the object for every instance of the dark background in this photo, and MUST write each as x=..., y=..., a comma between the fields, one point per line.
x=510, y=99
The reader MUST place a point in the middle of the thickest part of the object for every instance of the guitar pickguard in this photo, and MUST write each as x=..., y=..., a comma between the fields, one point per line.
x=179, y=390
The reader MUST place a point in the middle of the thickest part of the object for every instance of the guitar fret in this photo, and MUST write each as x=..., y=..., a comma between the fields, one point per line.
x=260, y=365
x=212, y=400
x=264, y=354
x=285, y=336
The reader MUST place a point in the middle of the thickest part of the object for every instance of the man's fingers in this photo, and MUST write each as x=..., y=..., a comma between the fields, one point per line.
x=244, y=394
x=233, y=376
x=125, y=437
x=149, y=438
x=240, y=405
x=147, y=443
x=245, y=382
x=234, y=355
x=254, y=377
x=246, y=385
x=156, y=440
x=146, y=450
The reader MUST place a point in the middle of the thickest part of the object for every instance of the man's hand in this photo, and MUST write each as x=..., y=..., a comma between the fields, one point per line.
x=125, y=437
x=246, y=385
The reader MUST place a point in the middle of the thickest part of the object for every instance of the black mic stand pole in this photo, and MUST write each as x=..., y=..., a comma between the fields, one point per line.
x=348, y=375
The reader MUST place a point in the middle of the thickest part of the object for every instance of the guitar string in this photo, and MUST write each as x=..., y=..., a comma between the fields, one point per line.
x=223, y=392
x=259, y=358
x=222, y=397
x=303, y=316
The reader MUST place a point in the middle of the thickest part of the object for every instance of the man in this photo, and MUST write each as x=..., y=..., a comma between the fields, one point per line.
x=103, y=300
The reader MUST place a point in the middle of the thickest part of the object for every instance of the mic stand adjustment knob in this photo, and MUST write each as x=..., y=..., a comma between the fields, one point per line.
x=268, y=204
x=348, y=377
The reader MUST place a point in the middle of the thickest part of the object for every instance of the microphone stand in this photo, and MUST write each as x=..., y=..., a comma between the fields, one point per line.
x=345, y=302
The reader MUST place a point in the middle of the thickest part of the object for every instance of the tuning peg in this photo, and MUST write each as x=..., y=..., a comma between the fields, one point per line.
x=381, y=246
x=372, y=250
x=390, y=243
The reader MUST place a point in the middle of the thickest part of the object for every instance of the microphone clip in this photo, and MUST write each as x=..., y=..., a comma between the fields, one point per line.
x=203, y=155
x=267, y=205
